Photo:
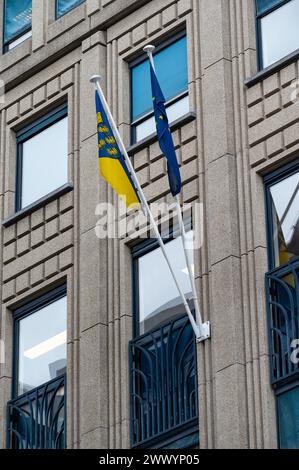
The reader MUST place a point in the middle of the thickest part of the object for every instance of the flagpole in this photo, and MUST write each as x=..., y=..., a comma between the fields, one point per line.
x=96, y=80
x=203, y=327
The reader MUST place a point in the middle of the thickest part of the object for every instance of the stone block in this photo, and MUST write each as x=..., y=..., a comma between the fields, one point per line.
x=37, y=275
x=66, y=221
x=184, y=7
x=154, y=25
x=169, y=15
x=139, y=34
x=272, y=104
x=291, y=135
x=23, y=245
x=51, y=229
x=274, y=145
x=51, y=267
x=37, y=237
x=124, y=43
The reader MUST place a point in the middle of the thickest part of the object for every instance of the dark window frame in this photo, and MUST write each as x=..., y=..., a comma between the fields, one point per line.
x=57, y=15
x=26, y=133
x=24, y=311
x=270, y=180
x=176, y=437
x=258, y=18
x=280, y=391
x=141, y=58
x=14, y=38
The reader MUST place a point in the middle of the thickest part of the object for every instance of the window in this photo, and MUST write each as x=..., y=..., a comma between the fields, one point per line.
x=277, y=29
x=17, y=22
x=172, y=71
x=40, y=341
x=282, y=294
x=158, y=299
x=42, y=162
x=164, y=341
x=288, y=417
x=64, y=6
x=36, y=416
x=283, y=207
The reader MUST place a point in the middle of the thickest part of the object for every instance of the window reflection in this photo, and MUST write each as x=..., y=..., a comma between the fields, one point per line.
x=44, y=163
x=288, y=413
x=17, y=18
x=159, y=300
x=172, y=70
x=64, y=6
x=279, y=31
x=42, y=346
x=285, y=200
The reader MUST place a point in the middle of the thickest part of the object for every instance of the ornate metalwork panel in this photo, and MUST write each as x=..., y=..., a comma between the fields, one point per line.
x=36, y=420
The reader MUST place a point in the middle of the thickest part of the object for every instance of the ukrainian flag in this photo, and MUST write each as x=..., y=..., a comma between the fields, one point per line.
x=112, y=164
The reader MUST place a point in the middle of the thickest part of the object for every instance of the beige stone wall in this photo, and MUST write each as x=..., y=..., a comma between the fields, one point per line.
x=238, y=135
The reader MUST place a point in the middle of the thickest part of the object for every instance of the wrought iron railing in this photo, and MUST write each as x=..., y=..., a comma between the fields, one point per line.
x=163, y=382
x=36, y=419
x=282, y=291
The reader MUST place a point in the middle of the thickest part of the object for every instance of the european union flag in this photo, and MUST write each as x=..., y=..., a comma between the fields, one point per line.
x=164, y=135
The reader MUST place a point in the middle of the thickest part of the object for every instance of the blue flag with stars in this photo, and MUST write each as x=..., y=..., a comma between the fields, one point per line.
x=164, y=136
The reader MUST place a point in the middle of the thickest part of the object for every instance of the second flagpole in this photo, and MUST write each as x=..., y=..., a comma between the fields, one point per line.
x=203, y=327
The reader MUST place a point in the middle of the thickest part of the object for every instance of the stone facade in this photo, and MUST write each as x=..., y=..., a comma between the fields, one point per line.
x=237, y=134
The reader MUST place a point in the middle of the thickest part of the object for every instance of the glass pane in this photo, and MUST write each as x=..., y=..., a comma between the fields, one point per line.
x=42, y=346
x=174, y=111
x=158, y=296
x=285, y=200
x=288, y=415
x=44, y=162
x=20, y=39
x=63, y=6
x=172, y=71
x=280, y=33
x=17, y=17
x=263, y=6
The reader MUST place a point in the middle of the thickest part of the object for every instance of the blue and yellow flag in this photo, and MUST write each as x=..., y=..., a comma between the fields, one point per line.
x=112, y=164
x=164, y=135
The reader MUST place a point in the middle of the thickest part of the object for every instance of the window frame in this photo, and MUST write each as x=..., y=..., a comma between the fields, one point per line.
x=57, y=15
x=259, y=42
x=144, y=247
x=22, y=312
x=284, y=388
x=21, y=33
x=26, y=133
x=270, y=180
x=141, y=58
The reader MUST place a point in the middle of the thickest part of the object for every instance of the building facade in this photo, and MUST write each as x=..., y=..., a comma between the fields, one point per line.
x=89, y=357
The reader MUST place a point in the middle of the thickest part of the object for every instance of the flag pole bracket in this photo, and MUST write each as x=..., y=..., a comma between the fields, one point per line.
x=204, y=332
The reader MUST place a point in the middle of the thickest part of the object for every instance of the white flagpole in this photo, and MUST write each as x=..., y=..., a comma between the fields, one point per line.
x=96, y=80
x=204, y=328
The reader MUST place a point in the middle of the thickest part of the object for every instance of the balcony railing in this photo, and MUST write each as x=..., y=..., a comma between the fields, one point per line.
x=282, y=290
x=36, y=420
x=163, y=383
